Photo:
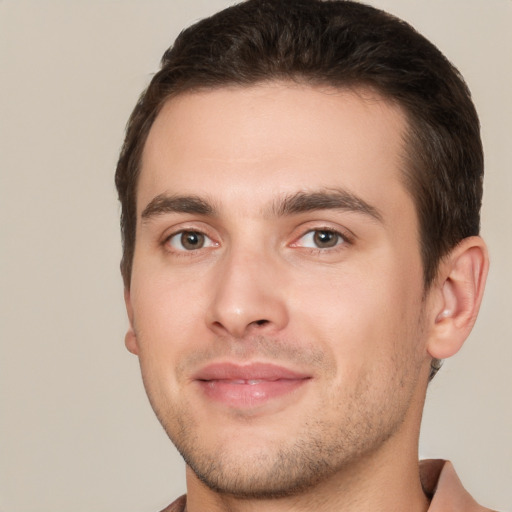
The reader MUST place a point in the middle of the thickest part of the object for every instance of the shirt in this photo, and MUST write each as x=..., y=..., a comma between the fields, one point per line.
x=439, y=481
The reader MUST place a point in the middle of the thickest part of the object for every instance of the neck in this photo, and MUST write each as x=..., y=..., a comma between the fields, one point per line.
x=383, y=482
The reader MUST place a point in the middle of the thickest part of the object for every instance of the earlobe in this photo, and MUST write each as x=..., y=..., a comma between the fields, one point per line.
x=130, y=338
x=461, y=278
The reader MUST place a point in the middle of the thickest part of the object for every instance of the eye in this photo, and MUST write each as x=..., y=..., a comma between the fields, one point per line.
x=190, y=241
x=321, y=239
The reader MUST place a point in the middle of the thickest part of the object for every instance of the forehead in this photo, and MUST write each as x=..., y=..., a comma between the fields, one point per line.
x=274, y=138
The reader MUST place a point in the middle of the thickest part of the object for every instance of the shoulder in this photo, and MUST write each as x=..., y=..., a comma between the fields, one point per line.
x=441, y=481
x=177, y=506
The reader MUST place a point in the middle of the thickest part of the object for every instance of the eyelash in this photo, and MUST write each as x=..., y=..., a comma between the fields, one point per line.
x=342, y=240
x=168, y=241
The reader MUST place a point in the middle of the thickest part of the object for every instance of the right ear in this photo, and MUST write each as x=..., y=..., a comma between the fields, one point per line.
x=130, y=338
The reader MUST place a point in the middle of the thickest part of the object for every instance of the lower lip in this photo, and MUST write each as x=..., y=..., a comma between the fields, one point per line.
x=246, y=395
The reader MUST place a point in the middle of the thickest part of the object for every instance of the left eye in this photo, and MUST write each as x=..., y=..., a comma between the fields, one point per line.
x=321, y=239
x=190, y=241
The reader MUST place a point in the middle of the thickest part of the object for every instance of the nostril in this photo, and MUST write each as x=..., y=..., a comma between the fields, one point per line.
x=260, y=322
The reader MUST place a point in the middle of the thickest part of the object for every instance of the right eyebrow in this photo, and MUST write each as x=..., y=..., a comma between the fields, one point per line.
x=164, y=203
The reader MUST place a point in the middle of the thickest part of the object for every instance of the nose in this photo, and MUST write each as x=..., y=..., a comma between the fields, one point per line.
x=247, y=297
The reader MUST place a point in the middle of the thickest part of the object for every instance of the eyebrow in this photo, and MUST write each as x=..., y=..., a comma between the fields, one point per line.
x=301, y=202
x=332, y=199
x=163, y=204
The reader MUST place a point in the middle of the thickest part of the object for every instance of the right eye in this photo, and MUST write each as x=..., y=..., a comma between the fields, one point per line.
x=190, y=241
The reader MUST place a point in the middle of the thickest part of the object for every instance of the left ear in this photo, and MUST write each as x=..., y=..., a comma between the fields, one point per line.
x=459, y=290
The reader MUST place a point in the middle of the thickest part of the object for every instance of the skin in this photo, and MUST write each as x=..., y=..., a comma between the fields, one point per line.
x=351, y=314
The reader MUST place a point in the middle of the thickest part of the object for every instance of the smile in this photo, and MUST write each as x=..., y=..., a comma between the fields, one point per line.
x=247, y=386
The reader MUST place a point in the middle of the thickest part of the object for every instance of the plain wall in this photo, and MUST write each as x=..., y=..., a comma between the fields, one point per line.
x=76, y=431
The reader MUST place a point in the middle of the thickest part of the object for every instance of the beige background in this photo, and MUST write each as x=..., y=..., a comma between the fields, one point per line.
x=76, y=432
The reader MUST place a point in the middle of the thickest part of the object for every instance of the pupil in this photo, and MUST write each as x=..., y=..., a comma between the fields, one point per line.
x=192, y=240
x=326, y=238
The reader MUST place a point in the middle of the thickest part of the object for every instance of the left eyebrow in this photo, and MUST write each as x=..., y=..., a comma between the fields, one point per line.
x=336, y=199
x=164, y=203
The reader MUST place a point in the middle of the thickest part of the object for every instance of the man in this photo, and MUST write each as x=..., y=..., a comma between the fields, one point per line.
x=300, y=187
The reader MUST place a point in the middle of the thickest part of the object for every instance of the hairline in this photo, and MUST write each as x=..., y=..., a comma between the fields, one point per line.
x=406, y=170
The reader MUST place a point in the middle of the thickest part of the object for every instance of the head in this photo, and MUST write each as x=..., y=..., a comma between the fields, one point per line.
x=263, y=57
x=342, y=44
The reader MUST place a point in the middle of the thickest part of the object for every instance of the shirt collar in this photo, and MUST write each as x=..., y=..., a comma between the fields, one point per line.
x=440, y=482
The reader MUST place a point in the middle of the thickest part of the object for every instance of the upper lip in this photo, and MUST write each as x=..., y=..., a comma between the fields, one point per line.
x=252, y=371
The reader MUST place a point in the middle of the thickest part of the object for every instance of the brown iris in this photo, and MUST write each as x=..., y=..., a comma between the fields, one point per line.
x=191, y=240
x=325, y=238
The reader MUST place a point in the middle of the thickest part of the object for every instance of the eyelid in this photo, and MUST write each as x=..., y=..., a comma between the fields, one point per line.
x=346, y=236
x=178, y=230
x=177, y=236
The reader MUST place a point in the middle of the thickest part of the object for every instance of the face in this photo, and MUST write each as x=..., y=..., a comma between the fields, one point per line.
x=276, y=294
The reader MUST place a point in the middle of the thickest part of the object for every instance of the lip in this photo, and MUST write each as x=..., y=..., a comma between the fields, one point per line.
x=250, y=385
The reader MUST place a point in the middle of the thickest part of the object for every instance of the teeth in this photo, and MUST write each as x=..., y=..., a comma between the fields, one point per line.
x=251, y=382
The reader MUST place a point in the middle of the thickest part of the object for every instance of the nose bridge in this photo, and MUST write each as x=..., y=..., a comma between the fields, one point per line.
x=247, y=296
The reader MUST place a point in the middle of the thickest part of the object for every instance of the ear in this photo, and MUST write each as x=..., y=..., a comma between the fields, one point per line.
x=130, y=339
x=459, y=290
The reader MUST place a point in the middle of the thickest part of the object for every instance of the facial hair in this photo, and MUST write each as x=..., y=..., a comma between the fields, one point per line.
x=361, y=417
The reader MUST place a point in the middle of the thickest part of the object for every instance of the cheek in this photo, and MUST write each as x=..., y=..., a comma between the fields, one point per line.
x=362, y=319
x=162, y=298
x=168, y=314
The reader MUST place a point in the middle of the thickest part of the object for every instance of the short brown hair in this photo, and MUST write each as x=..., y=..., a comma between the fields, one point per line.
x=342, y=44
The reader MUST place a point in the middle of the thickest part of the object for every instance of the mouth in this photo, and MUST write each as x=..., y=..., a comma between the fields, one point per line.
x=247, y=386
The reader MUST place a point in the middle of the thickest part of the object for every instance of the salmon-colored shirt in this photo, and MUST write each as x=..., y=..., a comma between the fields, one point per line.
x=439, y=481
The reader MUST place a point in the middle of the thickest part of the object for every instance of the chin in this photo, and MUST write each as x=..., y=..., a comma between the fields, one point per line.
x=265, y=476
